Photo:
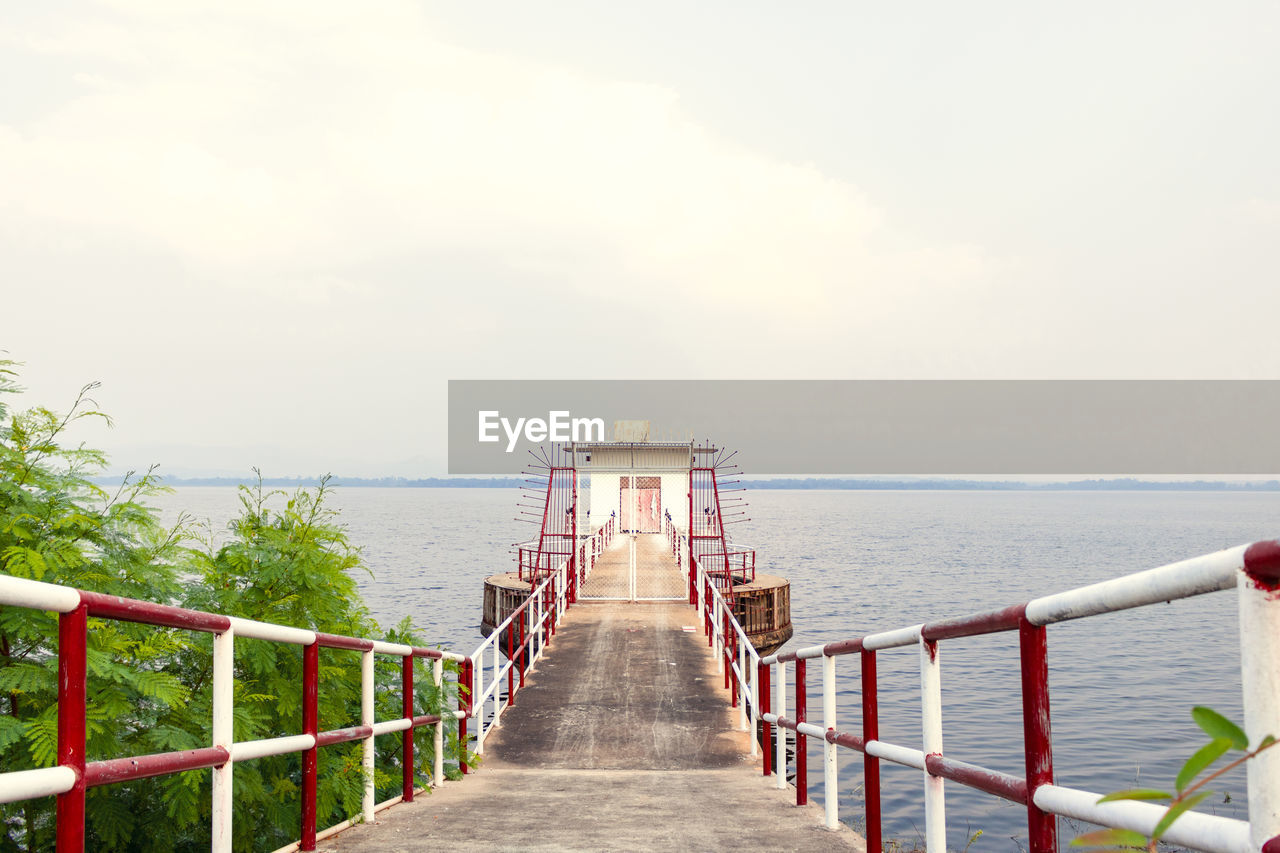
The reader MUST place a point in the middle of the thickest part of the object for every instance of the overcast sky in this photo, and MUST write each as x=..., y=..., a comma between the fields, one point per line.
x=274, y=230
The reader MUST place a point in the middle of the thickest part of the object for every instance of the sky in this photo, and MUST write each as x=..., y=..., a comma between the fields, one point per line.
x=273, y=231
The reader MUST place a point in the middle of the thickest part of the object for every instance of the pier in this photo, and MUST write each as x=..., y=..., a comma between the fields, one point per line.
x=623, y=700
x=621, y=740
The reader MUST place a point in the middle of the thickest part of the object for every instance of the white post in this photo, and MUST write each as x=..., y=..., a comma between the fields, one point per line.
x=716, y=620
x=367, y=719
x=542, y=636
x=831, y=784
x=754, y=660
x=631, y=567
x=223, y=735
x=477, y=703
x=935, y=815
x=1260, y=681
x=437, y=773
x=742, y=689
x=780, y=734
x=497, y=683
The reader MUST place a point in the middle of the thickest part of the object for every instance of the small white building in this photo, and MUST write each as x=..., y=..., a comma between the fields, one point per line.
x=638, y=480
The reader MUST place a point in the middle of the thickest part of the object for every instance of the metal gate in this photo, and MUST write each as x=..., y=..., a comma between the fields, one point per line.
x=635, y=567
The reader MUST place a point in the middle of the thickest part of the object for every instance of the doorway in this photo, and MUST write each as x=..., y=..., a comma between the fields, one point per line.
x=641, y=504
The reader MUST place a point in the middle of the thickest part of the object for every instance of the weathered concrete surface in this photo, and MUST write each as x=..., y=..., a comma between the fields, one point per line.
x=621, y=686
x=510, y=809
x=621, y=740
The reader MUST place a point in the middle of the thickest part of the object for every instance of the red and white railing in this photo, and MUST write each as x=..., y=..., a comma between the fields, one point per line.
x=1252, y=570
x=736, y=658
x=523, y=636
x=73, y=774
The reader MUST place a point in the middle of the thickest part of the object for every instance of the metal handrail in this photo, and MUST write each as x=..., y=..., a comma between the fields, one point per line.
x=1253, y=570
x=534, y=622
x=73, y=775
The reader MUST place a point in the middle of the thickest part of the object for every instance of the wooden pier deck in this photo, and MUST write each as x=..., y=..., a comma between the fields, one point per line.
x=622, y=739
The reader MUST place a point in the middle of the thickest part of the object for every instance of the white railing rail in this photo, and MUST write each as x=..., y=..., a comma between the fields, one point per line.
x=524, y=632
x=74, y=775
x=736, y=657
x=1252, y=570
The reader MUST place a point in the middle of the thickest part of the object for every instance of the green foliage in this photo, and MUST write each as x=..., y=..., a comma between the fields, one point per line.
x=1224, y=736
x=288, y=561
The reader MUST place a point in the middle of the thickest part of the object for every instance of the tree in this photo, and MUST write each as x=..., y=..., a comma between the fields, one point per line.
x=150, y=688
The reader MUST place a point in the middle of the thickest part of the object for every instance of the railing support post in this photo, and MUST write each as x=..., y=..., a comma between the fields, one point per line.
x=780, y=782
x=223, y=733
x=830, y=776
x=1259, y=645
x=406, y=710
x=437, y=769
x=522, y=621
x=935, y=810
x=1042, y=828
x=73, y=651
x=511, y=670
x=367, y=719
x=802, y=744
x=762, y=678
x=310, y=726
x=870, y=763
x=464, y=705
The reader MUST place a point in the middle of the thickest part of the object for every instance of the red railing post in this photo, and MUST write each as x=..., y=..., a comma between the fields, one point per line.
x=464, y=705
x=693, y=570
x=763, y=674
x=1042, y=828
x=551, y=606
x=802, y=747
x=707, y=601
x=725, y=652
x=310, y=726
x=870, y=763
x=406, y=709
x=511, y=664
x=524, y=652
x=73, y=651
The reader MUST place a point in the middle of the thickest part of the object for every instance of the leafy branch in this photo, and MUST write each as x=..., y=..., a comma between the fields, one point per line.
x=1224, y=736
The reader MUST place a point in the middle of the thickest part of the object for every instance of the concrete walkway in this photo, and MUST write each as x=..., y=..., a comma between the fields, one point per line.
x=621, y=740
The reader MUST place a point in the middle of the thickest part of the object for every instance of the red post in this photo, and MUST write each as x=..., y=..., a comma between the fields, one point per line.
x=551, y=606
x=870, y=763
x=726, y=651
x=1042, y=828
x=511, y=661
x=310, y=726
x=763, y=674
x=693, y=571
x=73, y=650
x=406, y=709
x=524, y=653
x=465, y=679
x=802, y=757
x=733, y=657
x=711, y=631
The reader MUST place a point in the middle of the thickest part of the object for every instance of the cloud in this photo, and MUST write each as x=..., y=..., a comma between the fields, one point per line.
x=270, y=144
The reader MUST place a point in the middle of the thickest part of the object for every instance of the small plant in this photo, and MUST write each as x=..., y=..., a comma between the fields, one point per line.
x=1224, y=736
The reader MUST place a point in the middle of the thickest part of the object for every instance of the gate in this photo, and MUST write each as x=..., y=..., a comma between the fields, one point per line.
x=635, y=567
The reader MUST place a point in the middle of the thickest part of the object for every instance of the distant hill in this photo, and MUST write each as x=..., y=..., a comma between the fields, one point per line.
x=936, y=484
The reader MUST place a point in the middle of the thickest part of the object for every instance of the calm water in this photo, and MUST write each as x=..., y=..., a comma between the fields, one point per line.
x=1121, y=685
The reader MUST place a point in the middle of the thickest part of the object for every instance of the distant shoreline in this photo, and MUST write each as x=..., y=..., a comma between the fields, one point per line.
x=1122, y=484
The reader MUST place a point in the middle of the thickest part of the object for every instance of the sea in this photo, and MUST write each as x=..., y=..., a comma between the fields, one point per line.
x=1122, y=685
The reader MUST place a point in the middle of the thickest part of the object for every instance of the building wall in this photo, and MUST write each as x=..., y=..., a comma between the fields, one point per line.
x=608, y=467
